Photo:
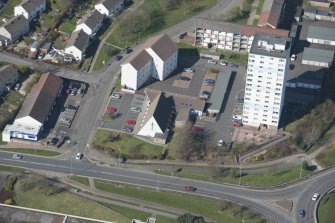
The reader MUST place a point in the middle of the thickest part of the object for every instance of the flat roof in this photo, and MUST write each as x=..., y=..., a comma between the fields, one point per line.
x=318, y=55
x=271, y=40
x=219, y=91
x=321, y=32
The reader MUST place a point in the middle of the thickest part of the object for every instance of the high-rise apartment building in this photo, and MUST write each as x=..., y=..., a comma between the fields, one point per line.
x=268, y=66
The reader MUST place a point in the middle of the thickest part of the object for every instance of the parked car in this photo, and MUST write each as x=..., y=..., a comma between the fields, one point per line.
x=71, y=107
x=211, y=62
x=68, y=91
x=17, y=156
x=293, y=57
x=315, y=196
x=118, y=57
x=188, y=69
x=220, y=143
x=233, y=65
x=135, y=109
x=65, y=120
x=223, y=63
x=18, y=86
x=41, y=55
x=110, y=109
x=190, y=188
x=205, y=94
x=127, y=50
x=184, y=79
x=54, y=141
x=127, y=129
x=301, y=212
x=79, y=156
x=116, y=96
x=291, y=67
x=209, y=82
x=131, y=122
x=52, y=51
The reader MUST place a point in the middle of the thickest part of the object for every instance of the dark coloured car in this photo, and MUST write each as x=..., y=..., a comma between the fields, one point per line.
x=71, y=107
x=54, y=141
x=127, y=129
x=301, y=212
x=209, y=82
x=205, y=94
x=118, y=57
x=190, y=188
x=233, y=65
x=291, y=67
x=184, y=79
x=127, y=50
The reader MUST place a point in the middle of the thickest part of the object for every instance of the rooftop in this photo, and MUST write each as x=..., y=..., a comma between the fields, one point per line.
x=322, y=32
x=109, y=4
x=79, y=39
x=319, y=55
x=272, y=46
x=30, y=5
x=91, y=19
x=16, y=23
x=6, y=72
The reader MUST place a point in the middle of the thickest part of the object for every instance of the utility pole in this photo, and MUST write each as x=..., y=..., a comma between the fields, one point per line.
x=302, y=161
x=157, y=188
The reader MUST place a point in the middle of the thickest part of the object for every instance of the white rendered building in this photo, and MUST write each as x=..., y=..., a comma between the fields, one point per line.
x=13, y=29
x=90, y=23
x=156, y=58
x=265, y=81
x=30, y=8
x=109, y=7
x=77, y=45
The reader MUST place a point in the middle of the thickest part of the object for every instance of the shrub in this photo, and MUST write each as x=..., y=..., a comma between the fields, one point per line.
x=9, y=201
x=9, y=183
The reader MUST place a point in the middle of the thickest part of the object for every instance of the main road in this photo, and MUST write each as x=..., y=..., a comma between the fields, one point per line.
x=259, y=200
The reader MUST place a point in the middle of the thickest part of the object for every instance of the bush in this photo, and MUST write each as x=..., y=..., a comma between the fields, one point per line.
x=9, y=183
x=9, y=201
x=305, y=165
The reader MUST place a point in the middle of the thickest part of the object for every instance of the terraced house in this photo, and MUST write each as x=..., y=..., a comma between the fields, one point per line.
x=13, y=29
x=30, y=8
x=77, y=45
x=90, y=23
x=109, y=7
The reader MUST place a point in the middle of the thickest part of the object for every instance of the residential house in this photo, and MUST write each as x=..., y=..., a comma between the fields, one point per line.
x=156, y=58
x=30, y=8
x=35, y=110
x=109, y=7
x=13, y=29
x=77, y=45
x=90, y=23
x=8, y=77
x=157, y=119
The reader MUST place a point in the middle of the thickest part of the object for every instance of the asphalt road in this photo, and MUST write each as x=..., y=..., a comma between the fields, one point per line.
x=259, y=200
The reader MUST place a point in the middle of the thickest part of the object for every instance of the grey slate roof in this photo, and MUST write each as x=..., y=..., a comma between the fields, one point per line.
x=79, y=39
x=16, y=23
x=161, y=110
x=321, y=32
x=92, y=18
x=318, y=55
x=219, y=91
x=5, y=73
x=41, y=98
x=30, y=5
x=109, y=4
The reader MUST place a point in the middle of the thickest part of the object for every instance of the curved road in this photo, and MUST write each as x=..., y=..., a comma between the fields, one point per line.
x=259, y=200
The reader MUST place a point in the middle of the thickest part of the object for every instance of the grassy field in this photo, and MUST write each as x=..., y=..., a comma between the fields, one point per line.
x=260, y=7
x=38, y=152
x=68, y=25
x=129, y=145
x=273, y=176
x=255, y=22
x=325, y=212
x=11, y=169
x=209, y=207
x=234, y=57
x=8, y=9
x=107, y=53
x=61, y=201
x=327, y=157
x=79, y=179
x=323, y=140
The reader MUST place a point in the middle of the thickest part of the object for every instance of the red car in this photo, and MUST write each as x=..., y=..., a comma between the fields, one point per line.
x=236, y=124
x=110, y=109
x=197, y=128
x=190, y=188
x=131, y=122
x=68, y=91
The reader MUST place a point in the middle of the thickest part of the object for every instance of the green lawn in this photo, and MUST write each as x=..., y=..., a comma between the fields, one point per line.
x=128, y=212
x=38, y=152
x=255, y=22
x=68, y=25
x=79, y=179
x=209, y=207
x=260, y=7
x=1, y=142
x=234, y=57
x=323, y=140
x=325, y=212
x=107, y=52
x=11, y=169
x=130, y=146
x=64, y=202
x=327, y=157
x=8, y=9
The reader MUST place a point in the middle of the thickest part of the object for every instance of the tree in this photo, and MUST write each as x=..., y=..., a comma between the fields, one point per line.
x=305, y=165
x=189, y=218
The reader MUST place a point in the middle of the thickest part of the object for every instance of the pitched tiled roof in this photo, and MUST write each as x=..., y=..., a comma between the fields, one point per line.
x=79, y=39
x=16, y=23
x=30, y=5
x=91, y=19
x=41, y=98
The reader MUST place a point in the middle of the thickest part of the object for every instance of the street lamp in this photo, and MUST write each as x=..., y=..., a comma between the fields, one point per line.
x=239, y=182
x=119, y=161
x=302, y=162
x=157, y=188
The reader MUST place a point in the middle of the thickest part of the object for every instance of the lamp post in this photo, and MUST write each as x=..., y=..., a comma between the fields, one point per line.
x=157, y=188
x=302, y=161
x=119, y=161
x=239, y=182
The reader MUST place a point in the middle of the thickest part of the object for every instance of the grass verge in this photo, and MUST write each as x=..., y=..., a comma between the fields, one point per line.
x=325, y=212
x=38, y=152
x=4, y=168
x=81, y=180
x=234, y=57
x=107, y=52
x=8, y=9
x=323, y=140
x=260, y=7
x=209, y=207
x=327, y=157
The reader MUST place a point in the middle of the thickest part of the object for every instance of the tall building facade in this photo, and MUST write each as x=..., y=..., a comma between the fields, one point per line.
x=268, y=66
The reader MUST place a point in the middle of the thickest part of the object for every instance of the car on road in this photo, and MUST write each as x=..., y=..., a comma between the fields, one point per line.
x=131, y=122
x=293, y=57
x=116, y=96
x=189, y=188
x=135, y=109
x=220, y=143
x=184, y=79
x=211, y=62
x=205, y=94
x=17, y=156
x=79, y=156
x=209, y=82
x=223, y=63
x=65, y=120
x=301, y=212
x=127, y=129
x=315, y=196
x=118, y=57
x=110, y=109
x=188, y=69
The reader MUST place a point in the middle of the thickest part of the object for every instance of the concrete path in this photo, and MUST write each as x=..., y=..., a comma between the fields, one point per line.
x=253, y=15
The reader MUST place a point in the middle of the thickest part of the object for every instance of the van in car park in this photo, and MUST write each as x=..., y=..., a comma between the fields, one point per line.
x=116, y=96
